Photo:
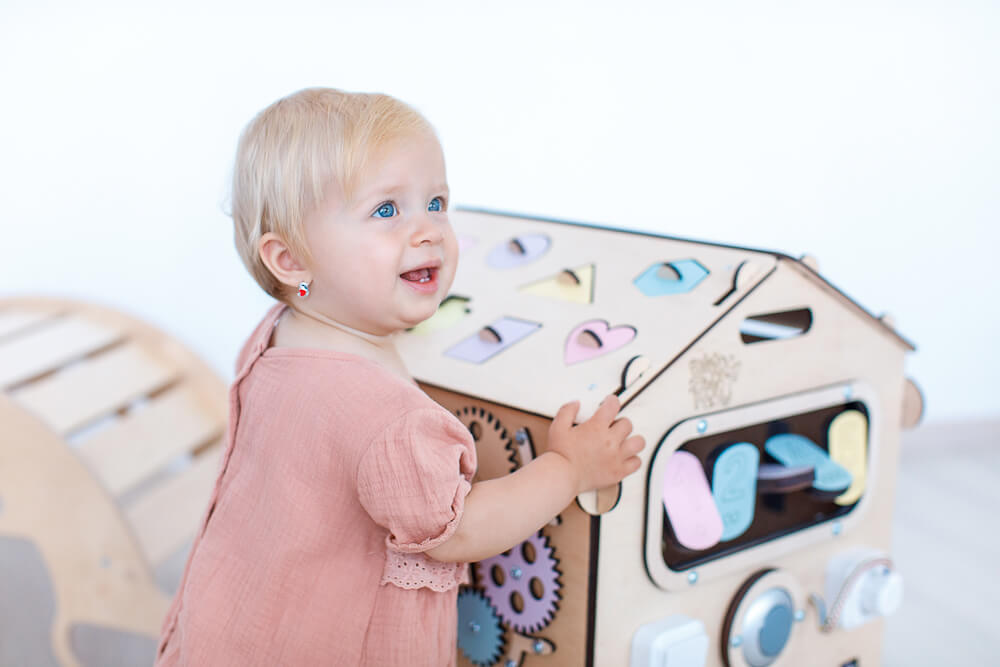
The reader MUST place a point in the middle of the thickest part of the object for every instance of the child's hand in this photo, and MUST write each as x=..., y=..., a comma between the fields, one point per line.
x=599, y=450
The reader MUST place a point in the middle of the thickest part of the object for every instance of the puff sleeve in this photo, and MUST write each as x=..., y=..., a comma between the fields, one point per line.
x=413, y=478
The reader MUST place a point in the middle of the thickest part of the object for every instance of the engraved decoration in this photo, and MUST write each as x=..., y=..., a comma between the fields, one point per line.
x=712, y=378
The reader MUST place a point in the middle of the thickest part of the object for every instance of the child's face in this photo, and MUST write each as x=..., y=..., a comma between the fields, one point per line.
x=396, y=223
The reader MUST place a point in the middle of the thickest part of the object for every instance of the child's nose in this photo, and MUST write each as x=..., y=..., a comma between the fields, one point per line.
x=427, y=230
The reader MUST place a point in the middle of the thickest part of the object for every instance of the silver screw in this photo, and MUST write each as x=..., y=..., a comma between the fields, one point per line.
x=800, y=615
x=474, y=626
x=837, y=528
x=692, y=577
x=516, y=572
x=702, y=426
x=736, y=641
x=521, y=436
x=538, y=646
x=510, y=663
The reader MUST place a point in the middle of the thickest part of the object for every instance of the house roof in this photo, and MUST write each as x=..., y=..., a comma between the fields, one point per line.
x=545, y=311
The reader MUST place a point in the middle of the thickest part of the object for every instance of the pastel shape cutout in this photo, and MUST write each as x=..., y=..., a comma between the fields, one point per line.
x=505, y=256
x=595, y=338
x=449, y=313
x=734, y=488
x=652, y=283
x=689, y=503
x=792, y=449
x=477, y=350
x=562, y=286
x=847, y=438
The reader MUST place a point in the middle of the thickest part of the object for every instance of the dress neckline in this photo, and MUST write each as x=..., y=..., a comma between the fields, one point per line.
x=317, y=352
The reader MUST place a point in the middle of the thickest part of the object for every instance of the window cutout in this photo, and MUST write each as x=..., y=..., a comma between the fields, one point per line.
x=588, y=339
x=786, y=497
x=668, y=272
x=776, y=326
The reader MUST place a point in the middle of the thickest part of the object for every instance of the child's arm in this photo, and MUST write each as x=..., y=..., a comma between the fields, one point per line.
x=501, y=513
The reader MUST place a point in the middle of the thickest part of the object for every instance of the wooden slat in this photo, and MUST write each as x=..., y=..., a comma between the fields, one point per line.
x=12, y=321
x=48, y=347
x=94, y=387
x=142, y=442
x=167, y=517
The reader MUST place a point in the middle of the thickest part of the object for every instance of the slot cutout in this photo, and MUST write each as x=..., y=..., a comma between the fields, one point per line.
x=781, y=325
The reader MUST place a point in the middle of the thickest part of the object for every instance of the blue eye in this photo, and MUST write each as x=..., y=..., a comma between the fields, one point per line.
x=438, y=207
x=386, y=210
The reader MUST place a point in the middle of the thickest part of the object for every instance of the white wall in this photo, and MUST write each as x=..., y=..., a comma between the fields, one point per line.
x=865, y=133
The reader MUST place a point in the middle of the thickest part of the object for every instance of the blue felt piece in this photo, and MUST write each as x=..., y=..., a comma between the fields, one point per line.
x=734, y=488
x=791, y=449
x=652, y=284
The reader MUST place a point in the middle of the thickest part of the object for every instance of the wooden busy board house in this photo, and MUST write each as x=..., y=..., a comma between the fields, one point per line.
x=757, y=530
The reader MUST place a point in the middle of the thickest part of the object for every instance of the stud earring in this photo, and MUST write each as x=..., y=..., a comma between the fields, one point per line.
x=303, y=289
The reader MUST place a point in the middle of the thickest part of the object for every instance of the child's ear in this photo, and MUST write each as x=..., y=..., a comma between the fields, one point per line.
x=280, y=261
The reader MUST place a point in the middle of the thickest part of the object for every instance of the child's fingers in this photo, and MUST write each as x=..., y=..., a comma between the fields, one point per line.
x=566, y=416
x=634, y=445
x=621, y=428
x=631, y=465
x=607, y=410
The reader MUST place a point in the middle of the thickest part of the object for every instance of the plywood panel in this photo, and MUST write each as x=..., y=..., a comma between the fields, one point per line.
x=97, y=572
x=173, y=423
x=15, y=320
x=840, y=348
x=45, y=348
x=94, y=387
x=665, y=324
x=167, y=516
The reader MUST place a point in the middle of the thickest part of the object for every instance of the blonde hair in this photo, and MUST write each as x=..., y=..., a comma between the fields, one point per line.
x=293, y=150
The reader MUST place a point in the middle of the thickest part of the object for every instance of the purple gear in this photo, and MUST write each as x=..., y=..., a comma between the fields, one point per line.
x=517, y=577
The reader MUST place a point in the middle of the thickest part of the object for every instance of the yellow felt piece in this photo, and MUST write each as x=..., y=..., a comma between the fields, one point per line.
x=449, y=313
x=563, y=286
x=848, y=440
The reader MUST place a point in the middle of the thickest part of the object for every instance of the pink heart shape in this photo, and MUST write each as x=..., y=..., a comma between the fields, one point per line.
x=610, y=339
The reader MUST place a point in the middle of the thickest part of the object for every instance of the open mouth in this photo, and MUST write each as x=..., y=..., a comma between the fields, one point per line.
x=419, y=276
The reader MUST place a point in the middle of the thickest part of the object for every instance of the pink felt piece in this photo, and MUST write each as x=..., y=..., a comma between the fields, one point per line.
x=611, y=339
x=689, y=503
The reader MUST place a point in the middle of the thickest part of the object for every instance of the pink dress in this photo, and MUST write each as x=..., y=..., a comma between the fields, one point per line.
x=337, y=475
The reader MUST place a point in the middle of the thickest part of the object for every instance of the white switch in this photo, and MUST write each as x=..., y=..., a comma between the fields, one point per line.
x=882, y=593
x=675, y=641
x=866, y=585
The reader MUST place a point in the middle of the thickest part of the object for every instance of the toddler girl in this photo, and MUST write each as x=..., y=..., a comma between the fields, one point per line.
x=343, y=516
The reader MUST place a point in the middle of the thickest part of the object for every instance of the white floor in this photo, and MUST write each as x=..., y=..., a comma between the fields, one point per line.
x=946, y=544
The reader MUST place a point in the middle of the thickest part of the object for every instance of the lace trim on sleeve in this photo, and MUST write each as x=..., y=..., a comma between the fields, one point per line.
x=415, y=570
